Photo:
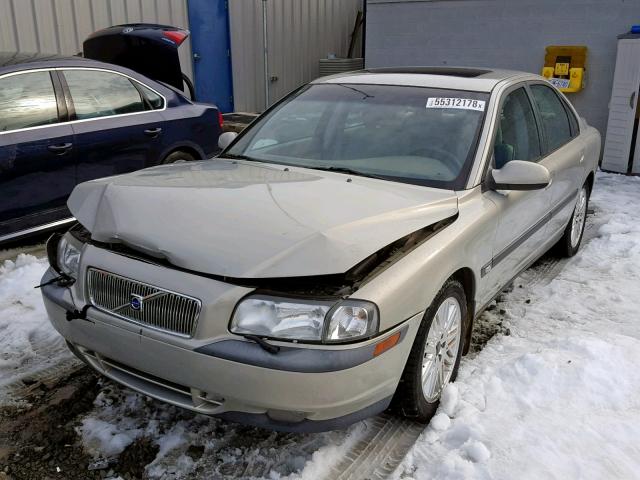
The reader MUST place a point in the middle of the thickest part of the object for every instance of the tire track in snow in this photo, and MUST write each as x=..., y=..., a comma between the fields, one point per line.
x=26, y=378
x=380, y=451
x=52, y=360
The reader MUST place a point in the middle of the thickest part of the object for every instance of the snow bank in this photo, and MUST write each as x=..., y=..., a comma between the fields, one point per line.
x=29, y=342
x=559, y=397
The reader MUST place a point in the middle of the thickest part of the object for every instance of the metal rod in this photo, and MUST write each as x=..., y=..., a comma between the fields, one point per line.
x=266, y=54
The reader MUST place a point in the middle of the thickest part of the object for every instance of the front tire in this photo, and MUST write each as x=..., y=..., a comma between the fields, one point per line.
x=435, y=355
x=571, y=239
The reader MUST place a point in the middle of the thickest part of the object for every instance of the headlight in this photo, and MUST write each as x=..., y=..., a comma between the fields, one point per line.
x=305, y=320
x=68, y=257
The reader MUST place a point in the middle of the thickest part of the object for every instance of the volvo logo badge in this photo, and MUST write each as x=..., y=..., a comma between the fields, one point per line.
x=136, y=302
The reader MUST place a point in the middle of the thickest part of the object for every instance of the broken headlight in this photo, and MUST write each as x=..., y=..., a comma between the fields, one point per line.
x=305, y=320
x=64, y=254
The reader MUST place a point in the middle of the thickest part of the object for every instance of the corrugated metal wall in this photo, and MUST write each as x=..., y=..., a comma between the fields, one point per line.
x=300, y=33
x=60, y=26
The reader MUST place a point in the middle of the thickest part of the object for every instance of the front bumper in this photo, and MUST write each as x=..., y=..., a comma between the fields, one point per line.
x=301, y=389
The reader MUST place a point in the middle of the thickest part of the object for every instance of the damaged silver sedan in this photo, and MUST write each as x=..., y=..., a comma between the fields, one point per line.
x=331, y=262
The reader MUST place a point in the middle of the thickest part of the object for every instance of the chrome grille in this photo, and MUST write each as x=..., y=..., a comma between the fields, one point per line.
x=159, y=308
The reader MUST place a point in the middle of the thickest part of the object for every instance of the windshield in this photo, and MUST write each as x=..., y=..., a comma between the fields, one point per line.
x=417, y=135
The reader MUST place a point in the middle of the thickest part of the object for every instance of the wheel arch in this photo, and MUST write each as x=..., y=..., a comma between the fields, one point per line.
x=185, y=146
x=590, y=181
x=467, y=278
x=185, y=149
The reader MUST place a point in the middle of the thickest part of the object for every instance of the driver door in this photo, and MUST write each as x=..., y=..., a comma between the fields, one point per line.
x=523, y=214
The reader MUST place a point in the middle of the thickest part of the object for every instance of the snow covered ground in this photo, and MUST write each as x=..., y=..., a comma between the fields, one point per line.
x=556, y=397
x=28, y=342
x=560, y=396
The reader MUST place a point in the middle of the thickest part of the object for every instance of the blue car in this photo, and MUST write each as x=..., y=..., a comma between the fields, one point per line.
x=68, y=120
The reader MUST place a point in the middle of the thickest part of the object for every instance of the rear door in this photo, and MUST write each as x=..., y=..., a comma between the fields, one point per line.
x=118, y=128
x=522, y=225
x=37, y=163
x=564, y=153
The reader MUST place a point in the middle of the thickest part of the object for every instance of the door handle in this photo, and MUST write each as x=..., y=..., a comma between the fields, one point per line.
x=153, y=132
x=631, y=98
x=60, y=149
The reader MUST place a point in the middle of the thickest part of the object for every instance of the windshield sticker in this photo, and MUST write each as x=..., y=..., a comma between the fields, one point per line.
x=449, y=102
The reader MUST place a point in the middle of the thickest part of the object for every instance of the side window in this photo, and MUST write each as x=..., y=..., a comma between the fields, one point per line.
x=101, y=94
x=154, y=99
x=27, y=100
x=517, y=136
x=554, y=116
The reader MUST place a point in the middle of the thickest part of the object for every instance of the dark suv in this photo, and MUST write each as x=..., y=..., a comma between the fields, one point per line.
x=68, y=120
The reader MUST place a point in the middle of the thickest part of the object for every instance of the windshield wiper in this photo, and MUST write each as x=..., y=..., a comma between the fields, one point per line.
x=326, y=168
x=347, y=170
x=234, y=156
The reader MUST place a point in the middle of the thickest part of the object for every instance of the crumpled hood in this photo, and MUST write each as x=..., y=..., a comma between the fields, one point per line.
x=250, y=220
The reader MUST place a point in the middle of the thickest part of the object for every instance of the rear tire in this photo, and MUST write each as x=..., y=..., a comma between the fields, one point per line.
x=571, y=239
x=177, y=157
x=435, y=355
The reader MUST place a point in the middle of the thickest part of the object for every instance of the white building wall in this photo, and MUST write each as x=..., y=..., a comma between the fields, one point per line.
x=60, y=26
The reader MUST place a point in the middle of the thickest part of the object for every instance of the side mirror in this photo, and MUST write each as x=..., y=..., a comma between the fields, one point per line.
x=519, y=175
x=226, y=138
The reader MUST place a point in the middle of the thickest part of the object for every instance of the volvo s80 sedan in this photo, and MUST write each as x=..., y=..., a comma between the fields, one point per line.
x=331, y=262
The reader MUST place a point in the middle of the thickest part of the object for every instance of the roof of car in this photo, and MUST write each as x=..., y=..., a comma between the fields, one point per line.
x=456, y=78
x=19, y=58
x=12, y=62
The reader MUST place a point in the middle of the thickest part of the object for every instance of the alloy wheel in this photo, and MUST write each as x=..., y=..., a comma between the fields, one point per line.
x=441, y=348
x=579, y=216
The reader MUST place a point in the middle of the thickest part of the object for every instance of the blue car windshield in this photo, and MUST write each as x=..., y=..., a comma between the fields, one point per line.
x=416, y=135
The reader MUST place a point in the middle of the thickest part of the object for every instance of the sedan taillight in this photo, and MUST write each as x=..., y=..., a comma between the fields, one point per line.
x=176, y=36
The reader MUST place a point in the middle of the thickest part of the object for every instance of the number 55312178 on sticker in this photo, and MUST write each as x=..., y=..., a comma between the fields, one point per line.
x=452, y=102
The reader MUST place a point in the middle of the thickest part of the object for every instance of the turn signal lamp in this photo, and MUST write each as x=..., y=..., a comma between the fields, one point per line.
x=386, y=344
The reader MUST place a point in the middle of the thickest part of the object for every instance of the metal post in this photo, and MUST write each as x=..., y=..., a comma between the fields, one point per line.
x=266, y=54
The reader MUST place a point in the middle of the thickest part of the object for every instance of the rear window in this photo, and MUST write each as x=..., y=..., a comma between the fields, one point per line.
x=102, y=94
x=27, y=100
